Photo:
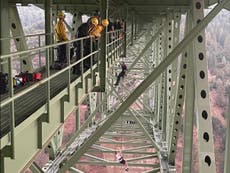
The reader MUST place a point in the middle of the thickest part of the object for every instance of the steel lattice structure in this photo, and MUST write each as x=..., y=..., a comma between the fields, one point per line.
x=167, y=77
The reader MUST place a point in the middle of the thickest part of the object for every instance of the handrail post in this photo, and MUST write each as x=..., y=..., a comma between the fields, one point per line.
x=12, y=113
x=102, y=64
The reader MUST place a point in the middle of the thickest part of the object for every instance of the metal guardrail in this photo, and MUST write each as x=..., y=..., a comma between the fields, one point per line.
x=115, y=44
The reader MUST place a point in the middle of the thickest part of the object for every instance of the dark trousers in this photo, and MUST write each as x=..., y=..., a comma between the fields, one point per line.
x=61, y=53
x=86, y=51
x=121, y=74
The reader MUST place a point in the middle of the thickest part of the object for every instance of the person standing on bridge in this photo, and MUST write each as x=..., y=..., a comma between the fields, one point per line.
x=83, y=31
x=61, y=36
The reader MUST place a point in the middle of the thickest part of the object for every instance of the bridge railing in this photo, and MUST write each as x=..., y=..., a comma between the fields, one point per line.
x=9, y=98
x=32, y=41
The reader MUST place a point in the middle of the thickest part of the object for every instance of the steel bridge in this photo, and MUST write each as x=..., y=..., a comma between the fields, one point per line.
x=167, y=77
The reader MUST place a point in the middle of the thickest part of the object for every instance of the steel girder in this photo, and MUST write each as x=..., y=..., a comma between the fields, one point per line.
x=141, y=88
x=21, y=45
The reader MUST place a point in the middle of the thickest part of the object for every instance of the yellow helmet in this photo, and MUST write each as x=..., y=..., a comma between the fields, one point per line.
x=105, y=22
x=94, y=21
x=61, y=14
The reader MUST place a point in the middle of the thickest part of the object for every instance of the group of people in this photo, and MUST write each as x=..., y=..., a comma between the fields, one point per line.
x=90, y=28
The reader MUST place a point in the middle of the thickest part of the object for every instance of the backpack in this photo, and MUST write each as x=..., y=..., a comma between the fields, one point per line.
x=17, y=81
x=37, y=76
x=29, y=76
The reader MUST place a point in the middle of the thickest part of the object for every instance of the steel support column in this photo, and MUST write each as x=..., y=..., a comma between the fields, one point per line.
x=55, y=144
x=125, y=31
x=168, y=76
x=48, y=22
x=4, y=33
x=178, y=102
x=102, y=65
x=17, y=30
x=202, y=110
x=174, y=76
x=76, y=22
x=135, y=27
x=162, y=89
x=132, y=27
x=189, y=104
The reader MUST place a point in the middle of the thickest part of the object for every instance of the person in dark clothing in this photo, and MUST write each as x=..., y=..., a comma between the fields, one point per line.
x=122, y=73
x=83, y=31
x=111, y=30
x=117, y=25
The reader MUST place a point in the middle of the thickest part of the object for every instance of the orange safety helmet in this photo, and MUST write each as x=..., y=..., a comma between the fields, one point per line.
x=61, y=14
x=97, y=31
x=94, y=21
x=105, y=22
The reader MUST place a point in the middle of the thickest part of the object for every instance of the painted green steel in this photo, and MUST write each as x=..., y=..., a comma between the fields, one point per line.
x=48, y=21
x=54, y=146
x=161, y=78
x=74, y=170
x=21, y=44
x=133, y=113
x=168, y=82
x=177, y=104
x=133, y=97
x=76, y=22
x=147, y=46
x=189, y=88
x=152, y=171
x=4, y=33
x=132, y=27
x=227, y=145
x=174, y=74
x=156, y=165
x=35, y=168
x=102, y=65
x=169, y=59
x=202, y=102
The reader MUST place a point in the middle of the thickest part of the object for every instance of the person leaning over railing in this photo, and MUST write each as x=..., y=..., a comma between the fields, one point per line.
x=61, y=36
x=83, y=31
x=95, y=32
x=93, y=29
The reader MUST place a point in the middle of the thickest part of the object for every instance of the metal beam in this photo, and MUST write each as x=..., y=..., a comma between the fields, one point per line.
x=74, y=170
x=189, y=105
x=102, y=65
x=140, y=123
x=137, y=148
x=35, y=168
x=124, y=152
x=152, y=171
x=4, y=33
x=142, y=158
x=95, y=158
x=202, y=102
x=142, y=87
x=110, y=163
